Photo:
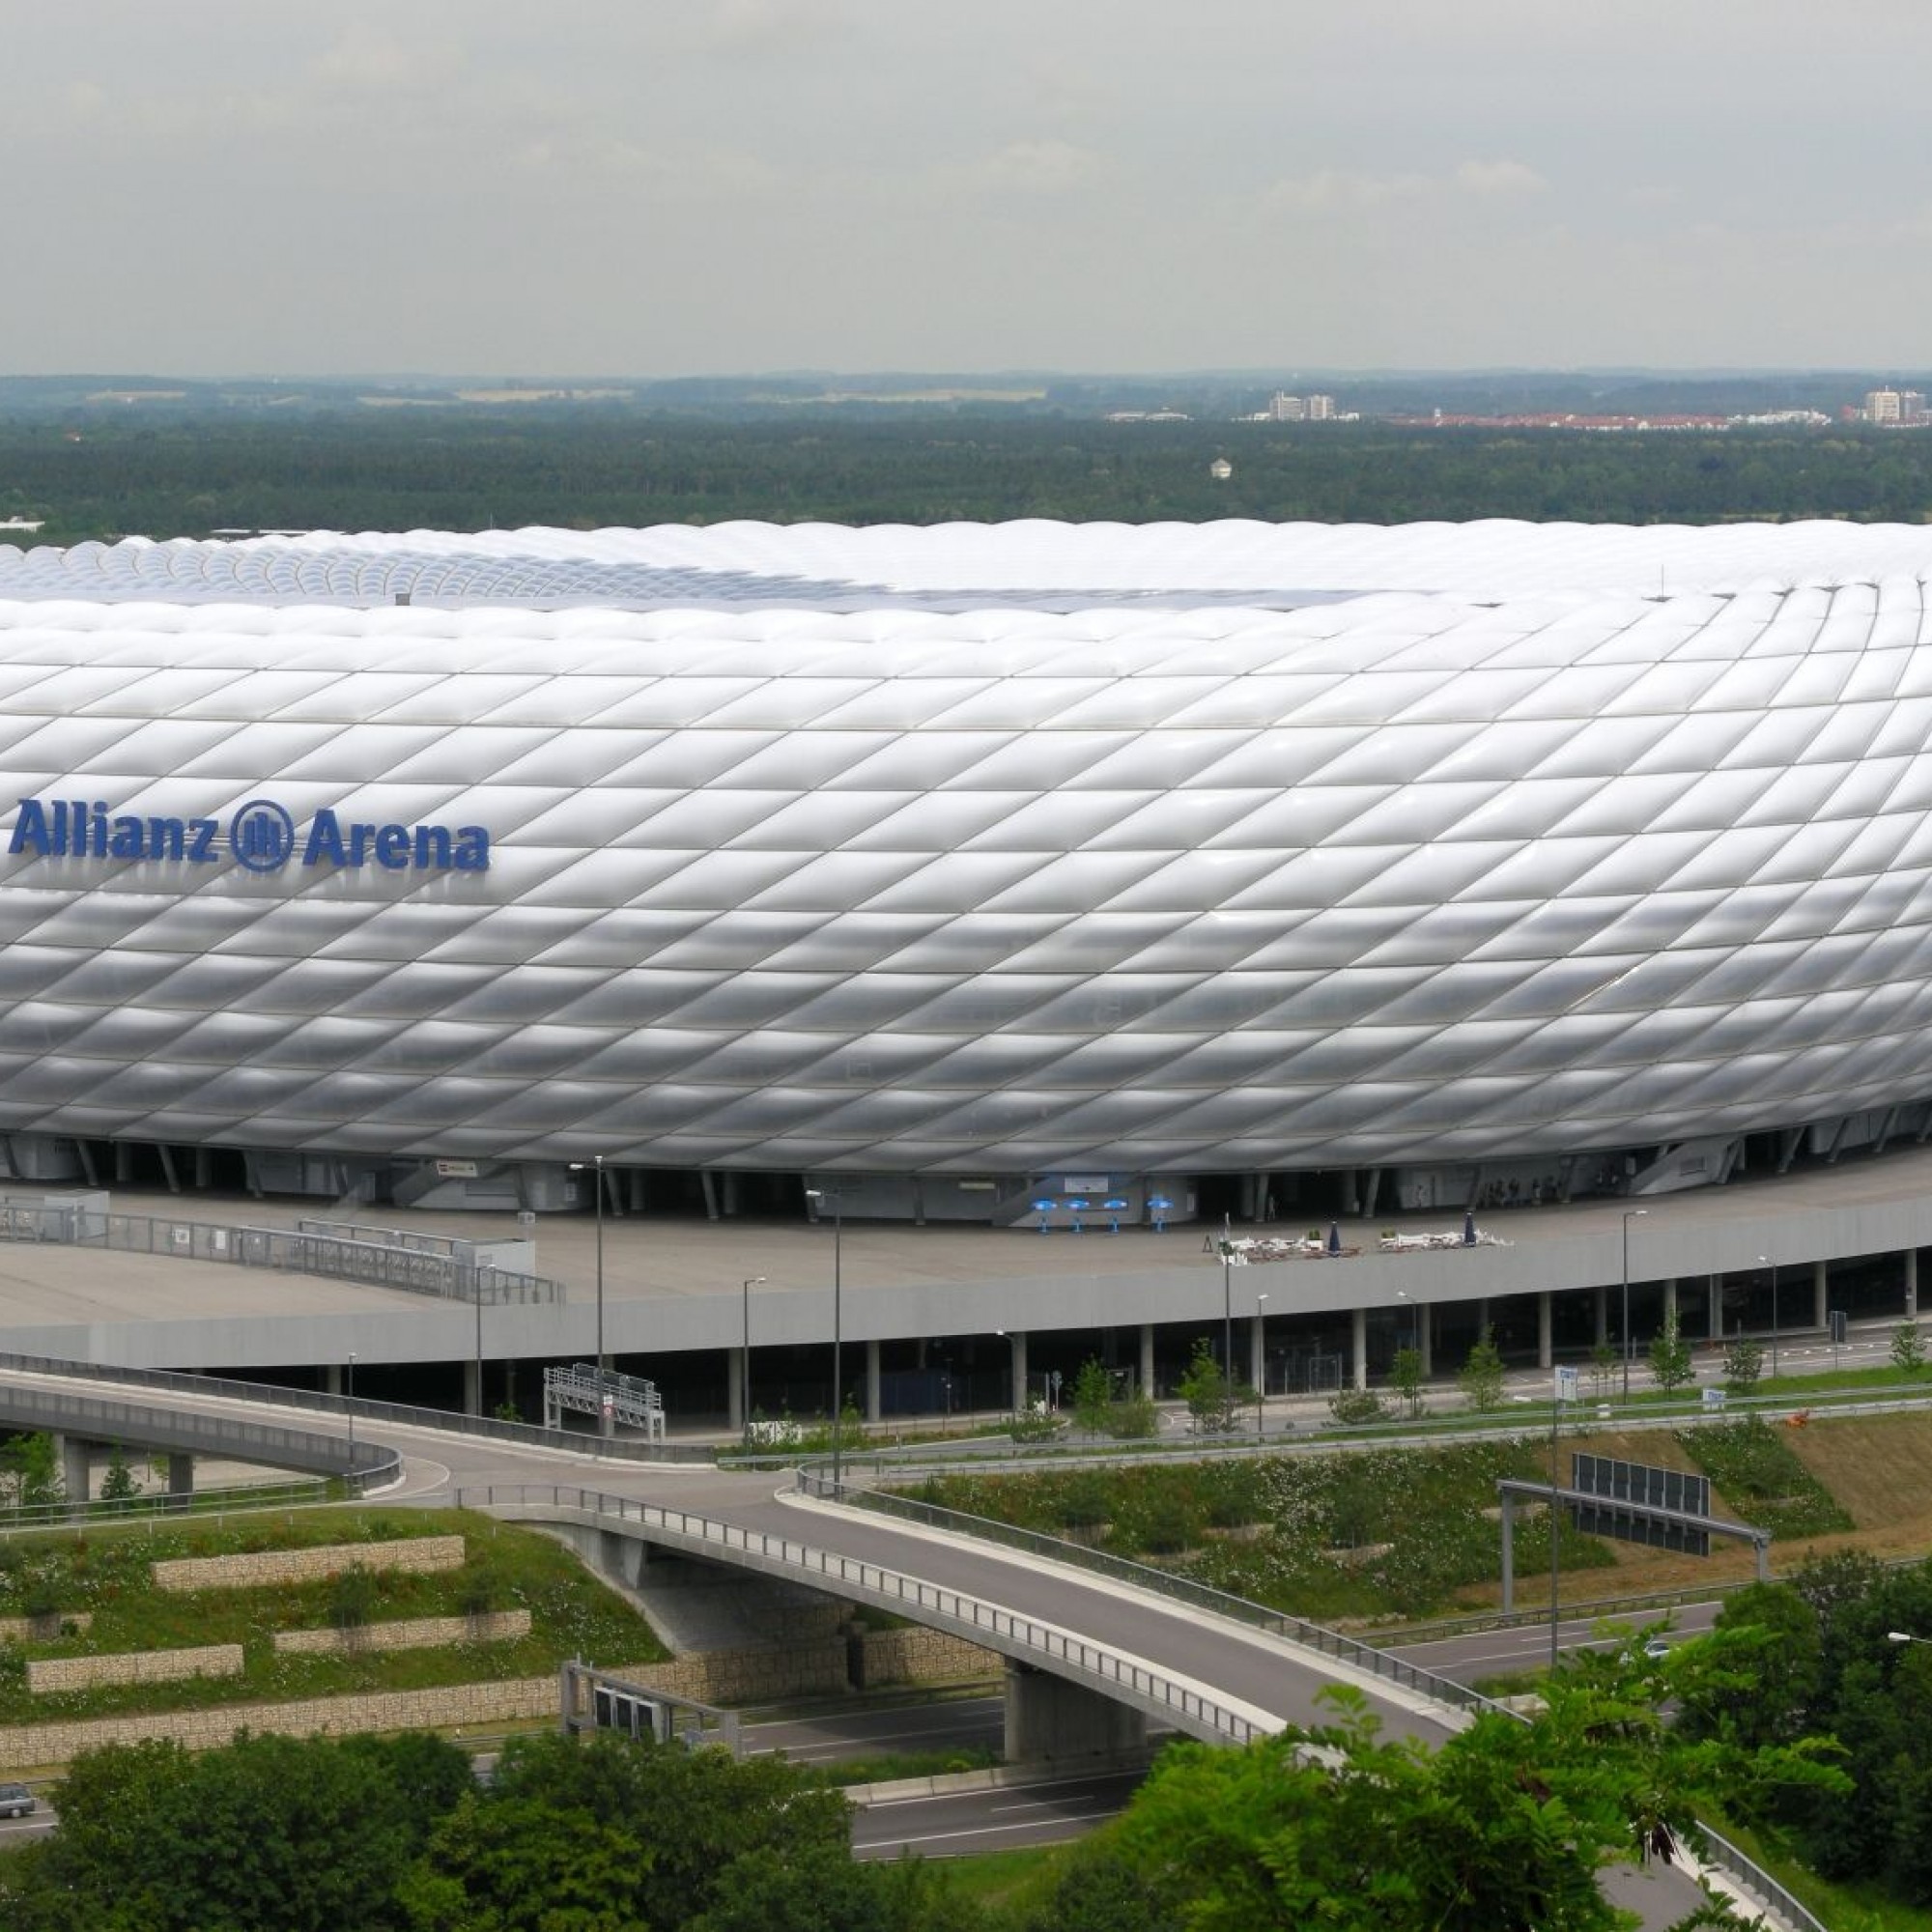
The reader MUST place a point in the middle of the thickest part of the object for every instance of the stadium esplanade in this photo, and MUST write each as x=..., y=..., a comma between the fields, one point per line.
x=974, y=872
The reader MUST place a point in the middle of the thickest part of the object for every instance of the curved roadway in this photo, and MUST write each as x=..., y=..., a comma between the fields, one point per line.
x=1273, y=1681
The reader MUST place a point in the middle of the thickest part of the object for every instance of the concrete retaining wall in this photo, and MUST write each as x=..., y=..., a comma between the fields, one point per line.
x=32, y=1630
x=409, y=1634
x=307, y=1566
x=716, y=1677
x=132, y=1666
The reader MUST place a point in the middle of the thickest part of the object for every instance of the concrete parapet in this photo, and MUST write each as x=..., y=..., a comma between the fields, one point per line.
x=409, y=1634
x=417, y=1553
x=46, y=1674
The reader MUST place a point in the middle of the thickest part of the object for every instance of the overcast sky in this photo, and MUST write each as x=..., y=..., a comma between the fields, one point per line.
x=657, y=187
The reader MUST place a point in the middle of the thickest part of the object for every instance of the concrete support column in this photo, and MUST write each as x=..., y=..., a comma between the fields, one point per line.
x=1545, y=1347
x=1257, y=1353
x=1481, y=1316
x=872, y=1381
x=472, y=1388
x=1147, y=1358
x=1018, y=1399
x=1670, y=1301
x=1821, y=1296
x=180, y=1473
x=1358, y=1348
x=735, y=1417
x=1715, y=1296
x=331, y=1379
x=1912, y=1284
x=1424, y=1336
x=1049, y=1717
x=1600, y=1311
x=76, y=1458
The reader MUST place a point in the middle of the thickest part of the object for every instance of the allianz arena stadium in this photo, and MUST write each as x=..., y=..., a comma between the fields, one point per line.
x=982, y=867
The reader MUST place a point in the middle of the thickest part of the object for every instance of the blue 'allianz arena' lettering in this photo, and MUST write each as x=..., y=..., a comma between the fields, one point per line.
x=261, y=836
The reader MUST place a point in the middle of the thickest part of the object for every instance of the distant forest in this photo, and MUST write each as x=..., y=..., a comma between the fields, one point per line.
x=104, y=475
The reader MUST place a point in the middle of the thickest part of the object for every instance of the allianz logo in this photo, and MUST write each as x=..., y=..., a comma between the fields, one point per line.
x=261, y=835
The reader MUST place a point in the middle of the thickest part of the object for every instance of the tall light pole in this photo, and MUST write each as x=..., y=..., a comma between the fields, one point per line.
x=595, y=1168
x=837, y=1385
x=744, y=1356
x=1227, y=1305
x=1261, y=1380
x=351, y=1422
x=1632, y=1214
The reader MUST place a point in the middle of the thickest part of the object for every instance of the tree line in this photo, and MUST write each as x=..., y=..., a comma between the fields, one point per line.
x=188, y=477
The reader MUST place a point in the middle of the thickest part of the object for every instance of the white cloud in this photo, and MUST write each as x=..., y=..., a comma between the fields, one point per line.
x=1497, y=178
x=1030, y=167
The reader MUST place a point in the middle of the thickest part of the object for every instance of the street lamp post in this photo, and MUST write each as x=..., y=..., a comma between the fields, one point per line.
x=744, y=1359
x=1632, y=1214
x=351, y=1420
x=1227, y=1305
x=838, y=1338
x=1261, y=1380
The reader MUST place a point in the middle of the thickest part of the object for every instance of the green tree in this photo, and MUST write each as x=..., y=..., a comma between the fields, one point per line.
x=1092, y=1397
x=1211, y=1395
x=1406, y=1378
x=120, y=1485
x=1743, y=1364
x=33, y=1464
x=601, y=1834
x=1602, y=1366
x=1908, y=1349
x=310, y=1834
x=1481, y=1377
x=1671, y=1365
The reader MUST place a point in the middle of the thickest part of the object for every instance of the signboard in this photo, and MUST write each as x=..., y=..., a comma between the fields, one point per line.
x=1566, y=1384
x=457, y=1169
x=1645, y=1482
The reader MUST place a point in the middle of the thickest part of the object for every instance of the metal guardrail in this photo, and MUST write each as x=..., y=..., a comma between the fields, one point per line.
x=1182, y=1589
x=363, y=1408
x=969, y=1617
x=1718, y=1851
x=361, y=1464
x=331, y=1257
x=147, y=1503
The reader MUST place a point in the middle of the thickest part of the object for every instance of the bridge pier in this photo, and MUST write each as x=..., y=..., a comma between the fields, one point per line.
x=76, y=1458
x=1047, y=1717
x=473, y=1388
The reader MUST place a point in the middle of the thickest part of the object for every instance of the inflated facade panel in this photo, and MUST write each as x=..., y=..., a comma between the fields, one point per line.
x=831, y=862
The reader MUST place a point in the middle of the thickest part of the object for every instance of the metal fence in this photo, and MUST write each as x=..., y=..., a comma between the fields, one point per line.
x=333, y=1257
x=146, y=1504
x=970, y=1617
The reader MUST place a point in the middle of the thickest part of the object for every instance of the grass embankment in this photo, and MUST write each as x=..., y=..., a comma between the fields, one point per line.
x=1391, y=1533
x=105, y=1569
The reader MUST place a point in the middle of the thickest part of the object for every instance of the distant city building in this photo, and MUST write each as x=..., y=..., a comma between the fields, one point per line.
x=1220, y=469
x=1894, y=406
x=1299, y=408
